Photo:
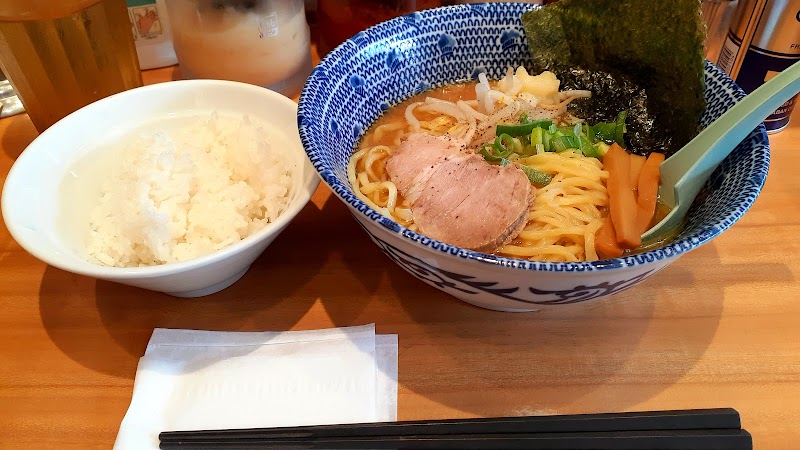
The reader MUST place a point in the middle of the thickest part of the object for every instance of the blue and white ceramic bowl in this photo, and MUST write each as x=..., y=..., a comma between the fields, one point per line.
x=393, y=60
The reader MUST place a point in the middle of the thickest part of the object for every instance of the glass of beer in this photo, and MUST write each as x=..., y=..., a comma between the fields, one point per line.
x=61, y=55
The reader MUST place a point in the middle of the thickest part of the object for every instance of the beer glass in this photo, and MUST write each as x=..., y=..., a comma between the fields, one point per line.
x=61, y=55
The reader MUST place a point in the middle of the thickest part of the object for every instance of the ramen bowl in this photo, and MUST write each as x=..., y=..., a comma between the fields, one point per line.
x=394, y=60
x=37, y=206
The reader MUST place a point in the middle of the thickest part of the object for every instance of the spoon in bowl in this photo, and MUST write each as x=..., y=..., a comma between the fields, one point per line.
x=685, y=172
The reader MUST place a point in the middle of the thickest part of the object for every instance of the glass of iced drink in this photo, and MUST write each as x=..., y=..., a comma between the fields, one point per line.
x=61, y=55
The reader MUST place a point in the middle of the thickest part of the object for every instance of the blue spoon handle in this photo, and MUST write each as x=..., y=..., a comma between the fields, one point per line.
x=685, y=172
x=688, y=169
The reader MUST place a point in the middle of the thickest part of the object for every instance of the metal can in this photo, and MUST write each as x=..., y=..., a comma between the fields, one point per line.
x=763, y=40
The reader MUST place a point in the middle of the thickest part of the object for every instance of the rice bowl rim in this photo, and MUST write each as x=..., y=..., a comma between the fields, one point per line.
x=304, y=186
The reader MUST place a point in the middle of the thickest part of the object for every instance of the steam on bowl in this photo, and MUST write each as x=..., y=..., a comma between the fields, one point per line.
x=361, y=79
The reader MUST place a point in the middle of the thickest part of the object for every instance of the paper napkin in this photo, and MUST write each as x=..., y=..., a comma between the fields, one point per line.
x=192, y=380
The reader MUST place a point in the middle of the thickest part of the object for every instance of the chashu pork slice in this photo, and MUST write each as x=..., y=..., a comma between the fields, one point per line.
x=415, y=158
x=472, y=204
x=457, y=197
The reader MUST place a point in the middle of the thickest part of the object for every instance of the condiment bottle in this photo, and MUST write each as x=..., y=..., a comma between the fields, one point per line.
x=763, y=40
x=717, y=15
x=152, y=33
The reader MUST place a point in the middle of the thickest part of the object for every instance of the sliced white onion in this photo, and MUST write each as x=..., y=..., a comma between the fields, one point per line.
x=410, y=115
x=577, y=93
x=444, y=107
x=469, y=110
x=470, y=113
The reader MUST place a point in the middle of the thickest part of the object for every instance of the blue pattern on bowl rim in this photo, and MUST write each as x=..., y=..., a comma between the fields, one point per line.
x=402, y=56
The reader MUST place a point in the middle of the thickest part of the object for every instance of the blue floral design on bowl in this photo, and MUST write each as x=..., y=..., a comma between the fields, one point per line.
x=509, y=38
x=446, y=44
x=394, y=59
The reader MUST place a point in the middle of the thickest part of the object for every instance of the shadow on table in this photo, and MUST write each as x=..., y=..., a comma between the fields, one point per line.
x=615, y=352
x=357, y=270
x=18, y=134
x=106, y=326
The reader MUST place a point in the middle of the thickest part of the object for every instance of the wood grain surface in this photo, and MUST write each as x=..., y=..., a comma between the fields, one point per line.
x=719, y=327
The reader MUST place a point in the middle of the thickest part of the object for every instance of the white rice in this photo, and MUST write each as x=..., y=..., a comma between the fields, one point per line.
x=183, y=194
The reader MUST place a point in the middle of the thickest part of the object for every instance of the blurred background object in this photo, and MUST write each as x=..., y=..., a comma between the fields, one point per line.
x=717, y=15
x=535, y=2
x=261, y=42
x=9, y=102
x=338, y=20
x=763, y=40
x=152, y=33
x=61, y=55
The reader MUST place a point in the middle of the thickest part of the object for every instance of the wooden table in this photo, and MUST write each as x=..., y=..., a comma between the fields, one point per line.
x=720, y=327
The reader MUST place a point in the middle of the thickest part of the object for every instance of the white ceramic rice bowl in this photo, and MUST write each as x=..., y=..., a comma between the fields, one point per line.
x=31, y=198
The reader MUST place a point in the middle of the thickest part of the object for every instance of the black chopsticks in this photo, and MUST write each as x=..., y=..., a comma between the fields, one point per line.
x=681, y=429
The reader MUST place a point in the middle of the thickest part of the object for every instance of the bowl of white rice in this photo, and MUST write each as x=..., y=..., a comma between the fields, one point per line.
x=176, y=187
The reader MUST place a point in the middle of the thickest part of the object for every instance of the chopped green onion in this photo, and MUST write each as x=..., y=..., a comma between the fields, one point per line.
x=537, y=136
x=536, y=177
x=565, y=142
x=517, y=146
x=602, y=132
x=602, y=149
x=527, y=150
x=522, y=129
x=547, y=137
x=501, y=148
x=515, y=130
x=609, y=132
x=486, y=151
x=505, y=144
x=558, y=145
x=543, y=123
x=620, y=128
x=590, y=150
x=531, y=137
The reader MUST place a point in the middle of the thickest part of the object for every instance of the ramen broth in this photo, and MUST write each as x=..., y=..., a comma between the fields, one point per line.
x=579, y=181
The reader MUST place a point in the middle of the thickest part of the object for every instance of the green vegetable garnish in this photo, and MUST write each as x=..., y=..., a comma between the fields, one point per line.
x=537, y=136
x=563, y=143
x=523, y=129
x=527, y=138
x=501, y=148
x=536, y=177
x=610, y=132
x=543, y=136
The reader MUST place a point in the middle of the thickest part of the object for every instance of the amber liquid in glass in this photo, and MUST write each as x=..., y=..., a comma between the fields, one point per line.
x=58, y=65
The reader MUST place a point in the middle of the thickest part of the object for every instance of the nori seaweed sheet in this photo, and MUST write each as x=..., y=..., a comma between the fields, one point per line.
x=644, y=56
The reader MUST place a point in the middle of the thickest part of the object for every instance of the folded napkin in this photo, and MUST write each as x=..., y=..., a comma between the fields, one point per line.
x=193, y=380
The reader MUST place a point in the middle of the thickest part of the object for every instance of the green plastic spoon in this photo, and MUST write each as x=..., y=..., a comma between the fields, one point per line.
x=685, y=172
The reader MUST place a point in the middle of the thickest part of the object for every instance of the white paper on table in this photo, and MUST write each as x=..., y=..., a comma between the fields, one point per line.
x=386, y=378
x=192, y=379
